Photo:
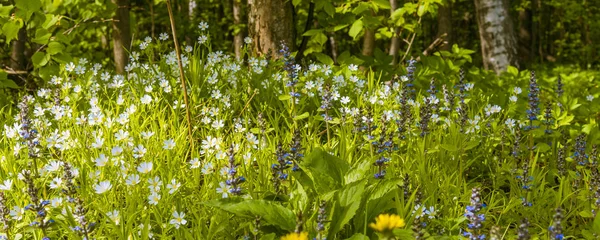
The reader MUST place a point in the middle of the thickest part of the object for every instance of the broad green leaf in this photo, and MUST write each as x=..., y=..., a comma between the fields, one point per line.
x=321, y=164
x=312, y=32
x=7, y=83
x=382, y=4
x=338, y=27
x=449, y=147
x=29, y=5
x=472, y=144
x=5, y=11
x=355, y=29
x=284, y=97
x=40, y=59
x=51, y=20
x=54, y=48
x=271, y=213
x=348, y=202
x=323, y=58
x=270, y=236
x=42, y=36
x=358, y=236
x=10, y=29
x=513, y=70
x=302, y=116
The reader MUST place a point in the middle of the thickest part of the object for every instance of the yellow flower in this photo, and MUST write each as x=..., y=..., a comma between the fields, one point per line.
x=387, y=222
x=296, y=236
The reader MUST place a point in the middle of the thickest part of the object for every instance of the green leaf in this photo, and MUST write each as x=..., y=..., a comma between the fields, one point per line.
x=284, y=97
x=355, y=29
x=449, y=147
x=302, y=116
x=42, y=36
x=270, y=236
x=312, y=32
x=326, y=170
x=403, y=233
x=40, y=59
x=51, y=20
x=323, y=58
x=513, y=71
x=5, y=82
x=383, y=4
x=29, y=5
x=596, y=224
x=358, y=236
x=348, y=202
x=338, y=27
x=54, y=48
x=586, y=214
x=5, y=10
x=271, y=213
x=472, y=144
x=26, y=8
x=11, y=28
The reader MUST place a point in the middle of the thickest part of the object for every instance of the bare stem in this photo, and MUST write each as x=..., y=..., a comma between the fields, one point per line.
x=183, y=85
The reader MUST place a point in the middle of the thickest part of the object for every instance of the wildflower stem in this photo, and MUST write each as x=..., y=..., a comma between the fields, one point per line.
x=183, y=85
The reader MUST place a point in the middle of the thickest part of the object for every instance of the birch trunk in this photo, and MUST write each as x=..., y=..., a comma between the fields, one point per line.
x=496, y=32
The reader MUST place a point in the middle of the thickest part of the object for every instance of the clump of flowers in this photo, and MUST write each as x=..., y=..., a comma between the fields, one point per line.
x=534, y=101
x=38, y=206
x=321, y=219
x=556, y=228
x=385, y=223
x=295, y=153
x=84, y=228
x=474, y=218
x=234, y=181
x=278, y=169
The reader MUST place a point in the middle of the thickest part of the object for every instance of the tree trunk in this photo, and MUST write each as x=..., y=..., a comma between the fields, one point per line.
x=525, y=41
x=368, y=42
x=18, y=62
x=496, y=32
x=395, y=44
x=121, y=35
x=444, y=22
x=270, y=23
x=333, y=46
x=237, y=20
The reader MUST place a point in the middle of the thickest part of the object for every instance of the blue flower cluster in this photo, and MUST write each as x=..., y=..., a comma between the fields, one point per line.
x=556, y=228
x=475, y=218
x=534, y=101
x=234, y=181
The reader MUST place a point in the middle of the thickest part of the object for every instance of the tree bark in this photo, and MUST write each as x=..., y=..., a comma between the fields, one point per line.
x=496, y=32
x=270, y=23
x=18, y=61
x=395, y=44
x=238, y=41
x=121, y=35
x=525, y=41
x=444, y=22
x=368, y=42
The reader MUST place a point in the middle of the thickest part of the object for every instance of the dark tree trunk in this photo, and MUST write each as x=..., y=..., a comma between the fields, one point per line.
x=525, y=41
x=270, y=23
x=18, y=61
x=238, y=41
x=496, y=32
x=121, y=35
x=444, y=22
x=368, y=42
